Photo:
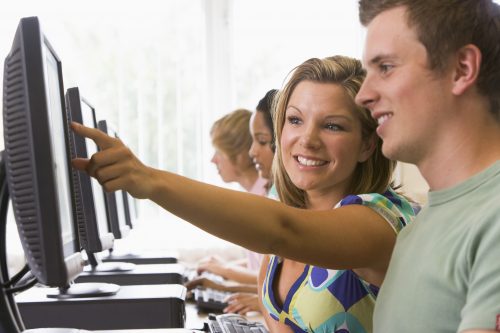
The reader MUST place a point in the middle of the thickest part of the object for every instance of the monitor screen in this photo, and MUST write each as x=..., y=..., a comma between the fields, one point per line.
x=58, y=147
x=95, y=235
x=37, y=157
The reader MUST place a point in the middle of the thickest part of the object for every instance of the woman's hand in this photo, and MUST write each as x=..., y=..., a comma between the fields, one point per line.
x=242, y=303
x=114, y=166
x=206, y=283
x=213, y=265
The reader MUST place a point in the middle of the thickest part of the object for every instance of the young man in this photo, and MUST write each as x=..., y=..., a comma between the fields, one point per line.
x=433, y=84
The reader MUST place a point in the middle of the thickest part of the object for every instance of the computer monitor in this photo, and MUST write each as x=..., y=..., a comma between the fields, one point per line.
x=37, y=162
x=38, y=165
x=95, y=228
x=117, y=202
x=92, y=220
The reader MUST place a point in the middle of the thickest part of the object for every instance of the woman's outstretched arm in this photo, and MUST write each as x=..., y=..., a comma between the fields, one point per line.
x=353, y=236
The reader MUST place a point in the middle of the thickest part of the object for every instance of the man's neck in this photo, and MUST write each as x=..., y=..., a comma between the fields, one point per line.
x=458, y=157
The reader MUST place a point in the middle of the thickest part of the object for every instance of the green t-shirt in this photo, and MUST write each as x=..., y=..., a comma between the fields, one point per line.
x=444, y=274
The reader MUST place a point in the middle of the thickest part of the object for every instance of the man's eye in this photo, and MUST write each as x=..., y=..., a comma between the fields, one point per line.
x=384, y=68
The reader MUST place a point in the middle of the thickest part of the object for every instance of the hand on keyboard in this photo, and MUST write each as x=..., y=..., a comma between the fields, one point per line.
x=242, y=303
x=192, y=275
x=210, y=300
x=205, y=282
x=234, y=323
x=212, y=264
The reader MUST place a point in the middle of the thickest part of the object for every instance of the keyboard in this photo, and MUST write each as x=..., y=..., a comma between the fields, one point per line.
x=210, y=300
x=234, y=323
x=191, y=274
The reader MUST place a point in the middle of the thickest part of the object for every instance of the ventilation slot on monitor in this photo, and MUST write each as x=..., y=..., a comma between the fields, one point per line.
x=75, y=178
x=19, y=159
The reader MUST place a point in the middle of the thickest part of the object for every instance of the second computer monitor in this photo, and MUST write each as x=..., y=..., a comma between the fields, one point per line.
x=92, y=219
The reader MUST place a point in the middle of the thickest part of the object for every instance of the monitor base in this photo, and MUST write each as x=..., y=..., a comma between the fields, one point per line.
x=113, y=267
x=81, y=290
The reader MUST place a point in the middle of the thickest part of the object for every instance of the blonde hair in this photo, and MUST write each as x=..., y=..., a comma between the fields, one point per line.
x=231, y=134
x=373, y=175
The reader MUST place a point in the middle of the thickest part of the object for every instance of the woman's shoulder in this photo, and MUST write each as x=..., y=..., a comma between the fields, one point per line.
x=394, y=207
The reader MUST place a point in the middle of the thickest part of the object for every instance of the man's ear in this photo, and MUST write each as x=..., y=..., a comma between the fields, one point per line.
x=466, y=68
x=368, y=148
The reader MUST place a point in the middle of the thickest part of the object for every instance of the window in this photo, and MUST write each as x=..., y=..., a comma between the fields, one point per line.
x=270, y=38
x=162, y=71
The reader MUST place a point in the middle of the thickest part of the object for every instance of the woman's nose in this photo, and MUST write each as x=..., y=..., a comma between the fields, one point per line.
x=310, y=139
x=253, y=151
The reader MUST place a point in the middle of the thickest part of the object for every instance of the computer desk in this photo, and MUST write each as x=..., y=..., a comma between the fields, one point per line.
x=194, y=323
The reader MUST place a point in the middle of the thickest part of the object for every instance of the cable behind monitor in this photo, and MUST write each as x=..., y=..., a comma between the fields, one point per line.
x=10, y=319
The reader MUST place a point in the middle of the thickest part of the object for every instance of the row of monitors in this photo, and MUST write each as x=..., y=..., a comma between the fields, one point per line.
x=59, y=211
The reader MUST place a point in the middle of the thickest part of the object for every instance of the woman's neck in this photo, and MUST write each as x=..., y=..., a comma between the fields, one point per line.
x=322, y=201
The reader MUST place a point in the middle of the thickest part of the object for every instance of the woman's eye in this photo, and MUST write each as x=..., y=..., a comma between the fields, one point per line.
x=264, y=143
x=293, y=120
x=333, y=127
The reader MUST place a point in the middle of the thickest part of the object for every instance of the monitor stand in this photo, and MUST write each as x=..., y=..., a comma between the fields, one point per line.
x=82, y=290
x=97, y=265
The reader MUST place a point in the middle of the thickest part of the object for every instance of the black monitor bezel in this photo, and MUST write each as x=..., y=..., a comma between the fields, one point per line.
x=127, y=202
